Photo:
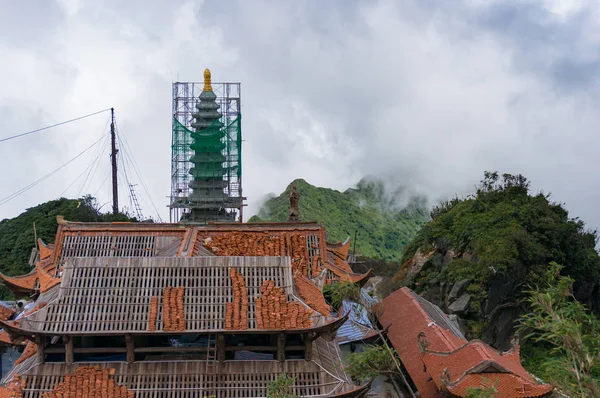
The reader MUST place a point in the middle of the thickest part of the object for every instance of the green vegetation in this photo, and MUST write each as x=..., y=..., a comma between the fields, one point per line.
x=571, y=331
x=372, y=361
x=282, y=387
x=384, y=227
x=17, y=236
x=502, y=230
x=337, y=292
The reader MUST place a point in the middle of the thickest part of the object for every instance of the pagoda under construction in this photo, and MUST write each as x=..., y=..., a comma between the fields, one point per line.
x=206, y=169
x=190, y=309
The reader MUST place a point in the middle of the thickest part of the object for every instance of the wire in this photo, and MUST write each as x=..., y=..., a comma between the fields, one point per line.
x=129, y=155
x=93, y=163
x=54, y=125
x=22, y=190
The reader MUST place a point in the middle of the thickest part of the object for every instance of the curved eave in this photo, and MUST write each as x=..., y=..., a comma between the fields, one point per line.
x=19, y=331
x=15, y=331
x=341, y=249
x=358, y=392
x=6, y=340
x=20, y=284
x=461, y=386
x=361, y=279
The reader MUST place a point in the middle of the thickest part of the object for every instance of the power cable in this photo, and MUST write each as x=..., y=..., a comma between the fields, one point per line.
x=54, y=125
x=102, y=184
x=93, y=163
x=100, y=150
x=24, y=189
x=85, y=186
x=129, y=153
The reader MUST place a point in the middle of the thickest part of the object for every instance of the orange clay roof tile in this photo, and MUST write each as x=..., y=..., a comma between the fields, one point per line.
x=13, y=388
x=341, y=250
x=29, y=351
x=447, y=360
x=47, y=281
x=46, y=251
x=273, y=311
x=89, y=382
x=5, y=312
x=311, y=294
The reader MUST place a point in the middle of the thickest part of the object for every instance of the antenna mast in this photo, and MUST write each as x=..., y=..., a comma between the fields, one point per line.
x=113, y=157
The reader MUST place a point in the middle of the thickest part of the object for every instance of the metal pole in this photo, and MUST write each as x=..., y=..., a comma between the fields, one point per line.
x=113, y=157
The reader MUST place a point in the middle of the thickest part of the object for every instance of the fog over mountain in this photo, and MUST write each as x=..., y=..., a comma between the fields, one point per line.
x=425, y=94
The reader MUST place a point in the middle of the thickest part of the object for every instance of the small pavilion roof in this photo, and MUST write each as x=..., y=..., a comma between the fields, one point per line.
x=439, y=358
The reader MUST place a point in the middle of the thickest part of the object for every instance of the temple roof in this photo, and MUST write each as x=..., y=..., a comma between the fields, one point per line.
x=321, y=376
x=439, y=358
x=305, y=242
x=150, y=295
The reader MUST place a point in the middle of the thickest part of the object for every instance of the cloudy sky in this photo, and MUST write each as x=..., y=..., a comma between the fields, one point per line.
x=427, y=94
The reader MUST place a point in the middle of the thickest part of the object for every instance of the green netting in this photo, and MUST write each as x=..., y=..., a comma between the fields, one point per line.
x=214, y=152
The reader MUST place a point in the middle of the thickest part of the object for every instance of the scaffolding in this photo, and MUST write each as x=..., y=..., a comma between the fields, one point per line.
x=185, y=98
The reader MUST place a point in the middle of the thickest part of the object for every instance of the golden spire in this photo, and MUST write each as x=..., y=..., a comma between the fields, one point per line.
x=207, y=86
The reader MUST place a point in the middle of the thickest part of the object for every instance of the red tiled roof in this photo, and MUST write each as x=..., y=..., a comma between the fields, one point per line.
x=47, y=281
x=153, y=313
x=236, y=312
x=438, y=359
x=46, y=251
x=311, y=294
x=89, y=382
x=27, y=283
x=340, y=249
x=249, y=243
x=5, y=312
x=30, y=350
x=173, y=312
x=273, y=311
x=13, y=389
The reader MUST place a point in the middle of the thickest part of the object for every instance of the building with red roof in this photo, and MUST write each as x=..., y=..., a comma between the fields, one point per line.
x=441, y=361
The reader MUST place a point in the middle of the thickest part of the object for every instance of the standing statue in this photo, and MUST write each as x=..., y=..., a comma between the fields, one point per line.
x=294, y=209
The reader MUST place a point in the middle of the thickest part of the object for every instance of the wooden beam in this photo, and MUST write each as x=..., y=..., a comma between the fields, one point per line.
x=41, y=342
x=100, y=350
x=69, y=356
x=220, y=347
x=281, y=347
x=308, y=347
x=130, y=349
x=171, y=349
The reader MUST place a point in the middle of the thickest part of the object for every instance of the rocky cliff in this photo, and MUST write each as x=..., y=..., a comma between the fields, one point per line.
x=478, y=255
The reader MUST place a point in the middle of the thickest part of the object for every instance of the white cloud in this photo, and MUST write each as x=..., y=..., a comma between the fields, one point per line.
x=427, y=94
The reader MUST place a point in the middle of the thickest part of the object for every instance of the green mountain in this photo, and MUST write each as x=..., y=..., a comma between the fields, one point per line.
x=17, y=236
x=383, y=225
x=479, y=255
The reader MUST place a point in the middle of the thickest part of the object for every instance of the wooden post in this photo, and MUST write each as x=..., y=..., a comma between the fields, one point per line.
x=40, y=341
x=130, y=349
x=69, y=356
x=308, y=347
x=281, y=347
x=220, y=347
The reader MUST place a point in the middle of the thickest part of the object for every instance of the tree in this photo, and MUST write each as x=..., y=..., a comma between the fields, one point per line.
x=282, y=387
x=337, y=292
x=558, y=319
x=373, y=361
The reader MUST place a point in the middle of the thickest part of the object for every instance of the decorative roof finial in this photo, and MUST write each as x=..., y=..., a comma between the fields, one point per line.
x=207, y=85
x=294, y=204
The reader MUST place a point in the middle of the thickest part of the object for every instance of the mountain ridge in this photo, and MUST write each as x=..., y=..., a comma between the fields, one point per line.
x=384, y=224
